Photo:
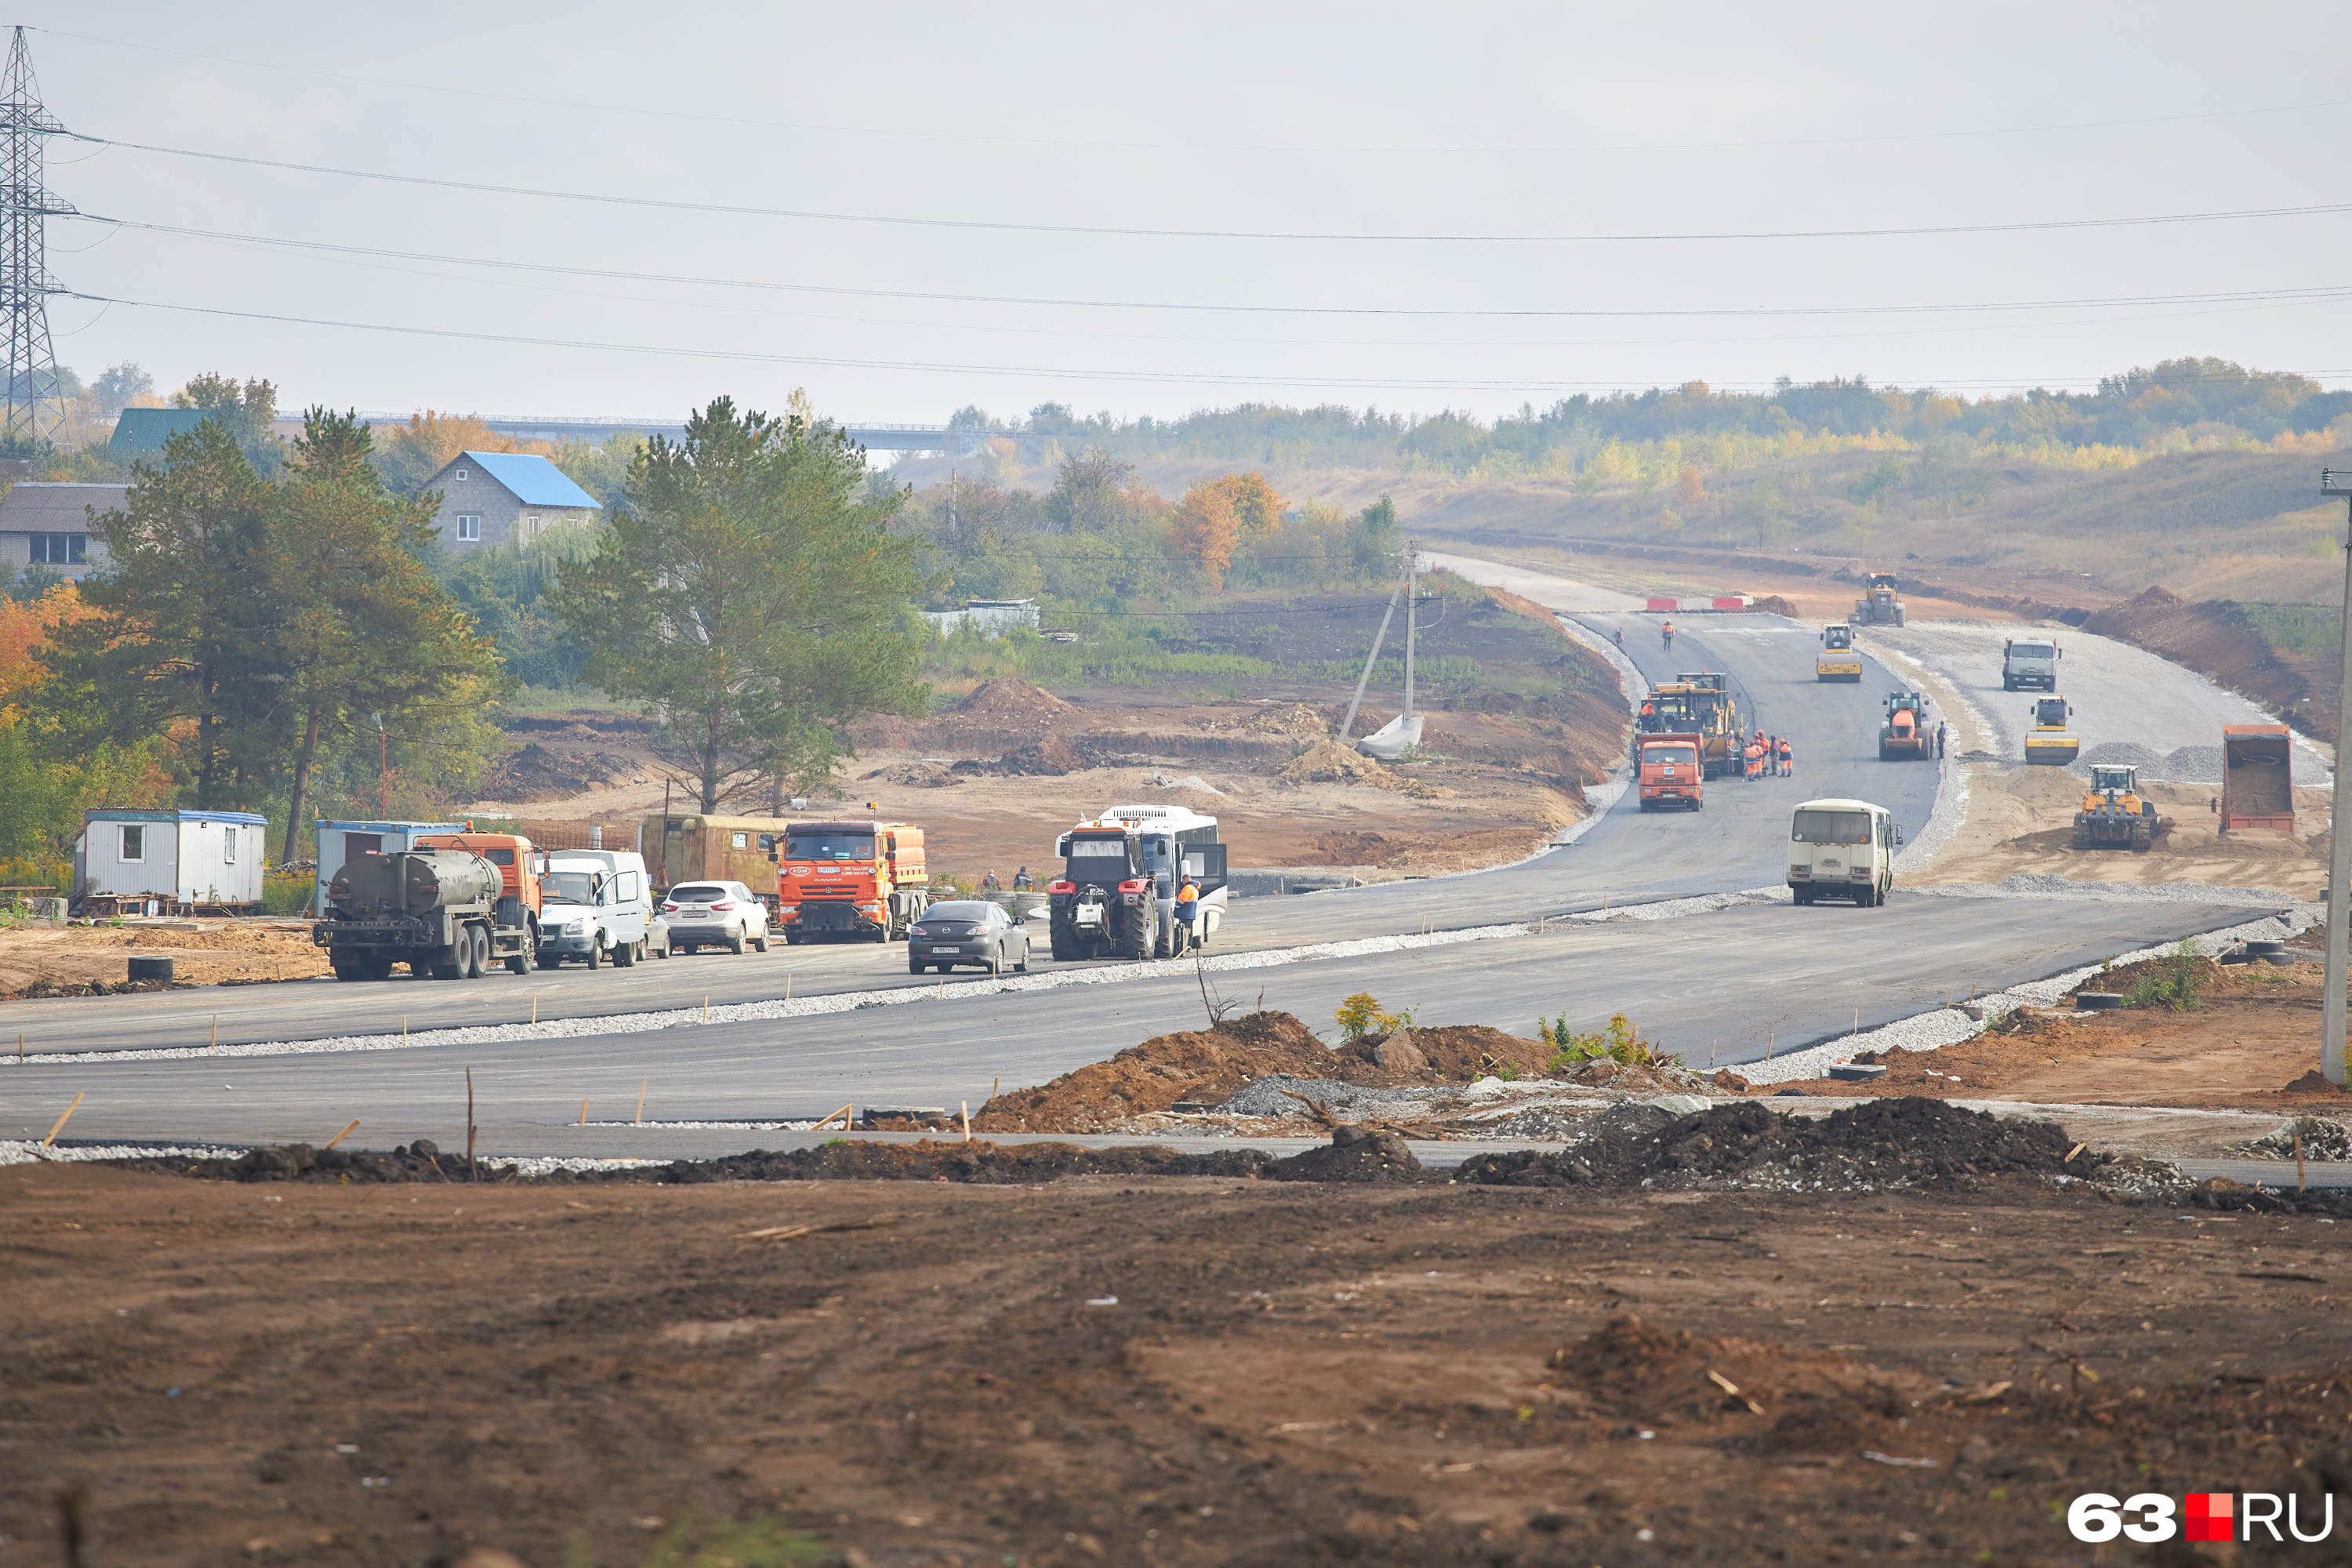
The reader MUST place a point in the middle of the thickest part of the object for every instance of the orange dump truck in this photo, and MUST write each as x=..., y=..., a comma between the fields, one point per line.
x=851, y=880
x=2257, y=778
x=1669, y=773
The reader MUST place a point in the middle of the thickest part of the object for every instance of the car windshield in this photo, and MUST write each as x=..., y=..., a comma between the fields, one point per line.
x=1831, y=827
x=697, y=893
x=822, y=845
x=1685, y=754
x=958, y=912
x=569, y=887
x=1093, y=855
x=2032, y=649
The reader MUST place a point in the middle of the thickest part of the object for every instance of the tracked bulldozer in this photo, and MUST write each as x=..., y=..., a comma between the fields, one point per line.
x=2050, y=743
x=2114, y=815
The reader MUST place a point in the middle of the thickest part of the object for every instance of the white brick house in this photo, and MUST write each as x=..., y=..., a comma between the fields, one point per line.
x=504, y=497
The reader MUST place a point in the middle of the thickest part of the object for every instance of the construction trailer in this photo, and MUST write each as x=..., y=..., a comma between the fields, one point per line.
x=179, y=861
x=339, y=841
x=2257, y=777
x=688, y=847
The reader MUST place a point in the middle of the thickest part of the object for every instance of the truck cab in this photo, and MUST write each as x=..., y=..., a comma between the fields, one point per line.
x=2030, y=663
x=856, y=879
x=1842, y=850
x=1670, y=772
x=1839, y=658
x=519, y=863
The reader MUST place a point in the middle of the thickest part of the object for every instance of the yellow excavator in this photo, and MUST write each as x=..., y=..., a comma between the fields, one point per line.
x=2049, y=741
x=2114, y=814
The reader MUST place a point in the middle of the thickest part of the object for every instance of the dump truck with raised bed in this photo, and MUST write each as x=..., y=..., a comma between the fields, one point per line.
x=2257, y=778
x=2030, y=663
x=446, y=913
x=1695, y=702
x=1668, y=772
x=1839, y=658
x=857, y=879
x=1907, y=734
x=2114, y=814
x=1878, y=606
x=2049, y=743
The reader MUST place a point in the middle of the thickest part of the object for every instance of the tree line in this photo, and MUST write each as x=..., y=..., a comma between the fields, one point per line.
x=260, y=640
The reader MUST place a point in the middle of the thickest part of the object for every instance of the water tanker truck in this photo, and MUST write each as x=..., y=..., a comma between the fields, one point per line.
x=446, y=913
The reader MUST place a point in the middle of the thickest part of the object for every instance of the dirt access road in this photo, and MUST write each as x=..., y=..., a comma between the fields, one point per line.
x=1421, y=1375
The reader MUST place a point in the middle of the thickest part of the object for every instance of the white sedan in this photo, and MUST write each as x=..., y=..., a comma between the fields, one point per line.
x=715, y=914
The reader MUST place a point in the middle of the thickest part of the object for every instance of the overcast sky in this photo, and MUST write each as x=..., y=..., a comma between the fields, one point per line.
x=1543, y=121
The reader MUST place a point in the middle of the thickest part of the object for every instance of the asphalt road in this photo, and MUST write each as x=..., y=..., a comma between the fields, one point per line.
x=1628, y=856
x=1724, y=982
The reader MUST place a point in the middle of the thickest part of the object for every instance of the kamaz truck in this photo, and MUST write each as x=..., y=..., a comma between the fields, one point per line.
x=2030, y=663
x=446, y=913
x=1695, y=702
x=851, y=880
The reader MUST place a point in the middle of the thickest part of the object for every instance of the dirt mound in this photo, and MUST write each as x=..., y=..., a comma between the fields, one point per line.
x=1457, y=1053
x=2217, y=638
x=1354, y=1154
x=1297, y=720
x=42, y=989
x=1880, y=1143
x=1050, y=757
x=2315, y=1084
x=1635, y=1372
x=1325, y=760
x=885, y=733
x=535, y=773
x=919, y=776
x=1773, y=604
x=1009, y=699
x=1206, y=1065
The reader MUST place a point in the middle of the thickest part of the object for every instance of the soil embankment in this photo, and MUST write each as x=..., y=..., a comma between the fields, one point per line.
x=1130, y=1369
x=2217, y=640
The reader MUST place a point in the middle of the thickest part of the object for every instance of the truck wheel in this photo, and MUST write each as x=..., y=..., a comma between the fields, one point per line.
x=518, y=964
x=550, y=960
x=624, y=956
x=477, y=957
x=375, y=968
x=449, y=962
x=345, y=971
x=791, y=939
x=1801, y=895
x=595, y=954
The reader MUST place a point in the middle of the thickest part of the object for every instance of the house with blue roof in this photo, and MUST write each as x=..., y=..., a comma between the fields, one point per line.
x=504, y=497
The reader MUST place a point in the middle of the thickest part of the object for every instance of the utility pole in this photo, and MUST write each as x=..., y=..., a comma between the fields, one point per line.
x=25, y=208
x=2339, y=844
x=383, y=770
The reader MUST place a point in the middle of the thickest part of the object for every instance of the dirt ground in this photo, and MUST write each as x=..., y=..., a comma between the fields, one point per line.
x=2248, y=1040
x=2021, y=819
x=205, y=952
x=1137, y=1369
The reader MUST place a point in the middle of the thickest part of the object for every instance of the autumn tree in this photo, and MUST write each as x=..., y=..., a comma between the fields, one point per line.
x=180, y=628
x=751, y=598
x=1205, y=528
x=248, y=412
x=363, y=628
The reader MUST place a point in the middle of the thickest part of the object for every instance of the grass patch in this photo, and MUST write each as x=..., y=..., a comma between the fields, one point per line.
x=1618, y=1041
x=2310, y=630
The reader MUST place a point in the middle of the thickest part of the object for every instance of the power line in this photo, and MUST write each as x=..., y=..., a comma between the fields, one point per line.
x=664, y=204
x=751, y=356
x=24, y=281
x=980, y=138
x=2233, y=296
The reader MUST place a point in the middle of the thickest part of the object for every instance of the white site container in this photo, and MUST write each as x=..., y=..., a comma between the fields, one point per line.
x=179, y=858
x=339, y=841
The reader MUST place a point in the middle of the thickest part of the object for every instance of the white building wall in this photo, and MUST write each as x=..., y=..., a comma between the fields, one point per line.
x=220, y=862
x=108, y=874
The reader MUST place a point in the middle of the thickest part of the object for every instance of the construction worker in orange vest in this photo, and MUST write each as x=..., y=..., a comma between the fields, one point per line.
x=1788, y=760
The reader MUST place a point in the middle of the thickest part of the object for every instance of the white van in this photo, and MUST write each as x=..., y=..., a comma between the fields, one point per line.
x=595, y=904
x=1842, y=850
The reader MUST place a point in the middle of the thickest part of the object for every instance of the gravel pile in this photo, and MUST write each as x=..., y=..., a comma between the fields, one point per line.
x=2323, y=1139
x=2182, y=764
x=1271, y=1097
x=1868, y=1147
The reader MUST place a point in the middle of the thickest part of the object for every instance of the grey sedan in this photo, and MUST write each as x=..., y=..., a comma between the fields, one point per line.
x=967, y=932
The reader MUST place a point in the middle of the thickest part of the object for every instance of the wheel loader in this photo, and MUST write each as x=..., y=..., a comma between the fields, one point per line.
x=2050, y=743
x=1907, y=732
x=2114, y=815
